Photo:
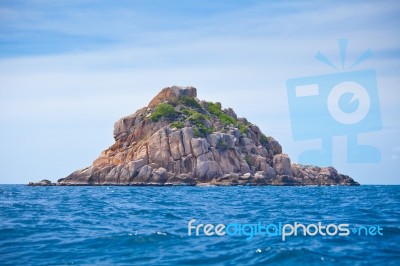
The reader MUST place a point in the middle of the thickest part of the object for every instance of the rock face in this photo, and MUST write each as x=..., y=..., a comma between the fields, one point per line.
x=179, y=140
x=43, y=183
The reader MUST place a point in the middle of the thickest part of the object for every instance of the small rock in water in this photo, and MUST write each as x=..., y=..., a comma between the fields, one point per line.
x=44, y=182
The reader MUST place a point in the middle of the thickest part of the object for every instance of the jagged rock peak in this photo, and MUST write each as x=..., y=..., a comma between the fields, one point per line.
x=171, y=94
x=180, y=140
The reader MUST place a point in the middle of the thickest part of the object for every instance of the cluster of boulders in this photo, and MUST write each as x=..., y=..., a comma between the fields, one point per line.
x=171, y=151
x=43, y=183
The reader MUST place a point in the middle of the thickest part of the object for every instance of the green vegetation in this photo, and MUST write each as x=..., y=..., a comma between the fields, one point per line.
x=221, y=145
x=191, y=112
x=197, y=133
x=248, y=160
x=190, y=102
x=198, y=121
x=225, y=119
x=188, y=111
x=201, y=130
x=214, y=109
x=163, y=110
x=178, y=124
x=263, y=140
x=243, y=129
x=197, y=118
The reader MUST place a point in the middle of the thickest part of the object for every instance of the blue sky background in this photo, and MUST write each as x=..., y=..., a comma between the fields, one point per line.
x=70, y=69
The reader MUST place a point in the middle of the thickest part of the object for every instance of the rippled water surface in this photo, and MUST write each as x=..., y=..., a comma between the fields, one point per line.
x=149, y=225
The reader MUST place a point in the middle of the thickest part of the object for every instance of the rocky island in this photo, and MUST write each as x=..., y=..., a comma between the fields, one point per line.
x=180, y=140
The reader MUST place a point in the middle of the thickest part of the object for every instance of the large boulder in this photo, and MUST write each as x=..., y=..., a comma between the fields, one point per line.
x=199, y=146
x=282, y=166
x=171, y=94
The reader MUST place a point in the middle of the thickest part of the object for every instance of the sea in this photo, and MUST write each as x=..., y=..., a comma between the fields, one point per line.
x=191, y=225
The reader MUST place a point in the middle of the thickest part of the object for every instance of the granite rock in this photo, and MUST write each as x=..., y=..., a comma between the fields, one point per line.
x=201, y=143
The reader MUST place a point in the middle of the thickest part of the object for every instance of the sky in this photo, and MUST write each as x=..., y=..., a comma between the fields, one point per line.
x=70, y=69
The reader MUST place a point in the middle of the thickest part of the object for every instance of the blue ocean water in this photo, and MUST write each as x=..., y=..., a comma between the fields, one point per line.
x=149, y=225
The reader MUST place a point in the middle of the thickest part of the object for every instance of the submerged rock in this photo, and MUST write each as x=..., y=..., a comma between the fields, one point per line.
x=178, y=140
